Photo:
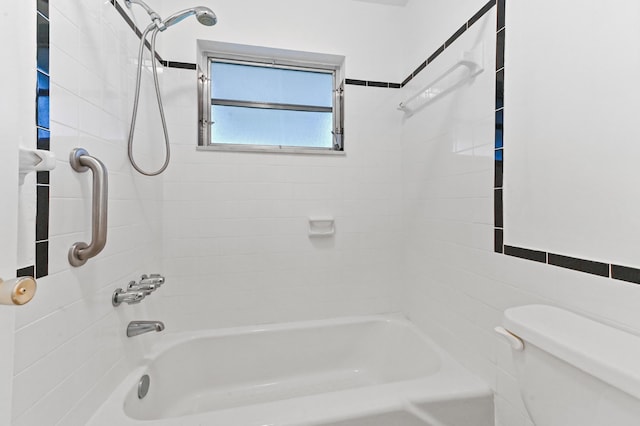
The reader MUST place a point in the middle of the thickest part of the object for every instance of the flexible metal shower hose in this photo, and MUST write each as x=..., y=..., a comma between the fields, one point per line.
x=143, y=39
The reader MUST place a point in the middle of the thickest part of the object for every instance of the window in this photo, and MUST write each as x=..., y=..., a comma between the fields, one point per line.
x=257, y=103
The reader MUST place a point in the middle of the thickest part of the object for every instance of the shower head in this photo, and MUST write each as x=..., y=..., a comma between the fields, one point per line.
x=204, y=15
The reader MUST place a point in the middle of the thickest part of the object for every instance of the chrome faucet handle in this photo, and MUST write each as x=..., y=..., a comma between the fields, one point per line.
x=146, y=288
x=128, y=297
x=155, y=279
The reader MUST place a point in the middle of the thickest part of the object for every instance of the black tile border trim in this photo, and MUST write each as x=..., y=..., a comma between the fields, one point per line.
x=28, y=271
x=498, y=168
x=455, y=35
x=42, y=6
x=354, y=82
x=43, y=140
x=582, y=265
x=420, y=68
x=181, y=65
x=606, y=270
x=523, y=253
x=498, y=241
x=42, y=213
x=370, y=83
x=479, y=14
x=616, y=272
x=42, y=259
x=433, y=56
x=625, y=273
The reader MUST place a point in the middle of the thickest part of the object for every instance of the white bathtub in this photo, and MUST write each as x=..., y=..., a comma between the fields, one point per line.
x=339, y=372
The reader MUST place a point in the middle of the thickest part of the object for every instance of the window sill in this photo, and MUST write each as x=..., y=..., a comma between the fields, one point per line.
x=271, y=149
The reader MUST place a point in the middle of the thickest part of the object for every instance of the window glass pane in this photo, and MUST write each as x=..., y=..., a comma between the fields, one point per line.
x=271, y=85
x=254, y=126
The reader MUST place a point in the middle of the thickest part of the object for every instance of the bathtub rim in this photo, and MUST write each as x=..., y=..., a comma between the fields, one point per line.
x=172, y=339
x=393, y=395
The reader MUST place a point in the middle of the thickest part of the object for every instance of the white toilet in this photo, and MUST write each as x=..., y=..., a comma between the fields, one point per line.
x=573, y=371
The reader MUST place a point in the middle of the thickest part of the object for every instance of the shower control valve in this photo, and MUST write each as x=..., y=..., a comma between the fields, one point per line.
x=128, y=297
x=147, y=288
x=155, y=279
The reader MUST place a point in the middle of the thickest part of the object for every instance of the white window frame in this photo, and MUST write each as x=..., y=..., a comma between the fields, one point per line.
x=283, y=59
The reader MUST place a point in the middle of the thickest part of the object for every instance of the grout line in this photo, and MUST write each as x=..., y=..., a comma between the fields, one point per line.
x=92, y=389
x=96, y=354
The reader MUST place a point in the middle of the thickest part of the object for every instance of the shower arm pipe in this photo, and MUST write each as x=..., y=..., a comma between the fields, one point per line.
x=80, y=252
x=134, y=115
x=157, y=20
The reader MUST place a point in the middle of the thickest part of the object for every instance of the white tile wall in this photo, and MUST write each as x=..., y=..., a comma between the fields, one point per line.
x=456, y=287
x=591, y=171
x=236, y=249
x=69, y=339
x=367, y=34
x=412, y=201
x=8, y=260
x=448, y=219
x=17, y=126
x=253, y=261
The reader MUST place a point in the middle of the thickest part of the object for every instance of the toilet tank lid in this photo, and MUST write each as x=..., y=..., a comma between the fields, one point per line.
x=605, y=352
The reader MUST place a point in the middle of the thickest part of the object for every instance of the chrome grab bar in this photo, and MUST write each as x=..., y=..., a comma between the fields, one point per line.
x=81, y=161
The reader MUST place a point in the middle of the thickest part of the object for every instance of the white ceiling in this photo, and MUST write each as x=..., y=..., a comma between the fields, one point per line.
x=401, y=3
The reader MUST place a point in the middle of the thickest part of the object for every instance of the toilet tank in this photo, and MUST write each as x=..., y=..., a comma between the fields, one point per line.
x=574, y=371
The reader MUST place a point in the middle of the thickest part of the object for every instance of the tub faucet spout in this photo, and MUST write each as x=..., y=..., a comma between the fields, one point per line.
x=136, y=328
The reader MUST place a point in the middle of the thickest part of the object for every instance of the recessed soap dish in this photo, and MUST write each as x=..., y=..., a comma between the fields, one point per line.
x=322, y=226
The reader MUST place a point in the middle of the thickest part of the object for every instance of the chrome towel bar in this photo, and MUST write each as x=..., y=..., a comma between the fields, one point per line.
x=470, y=62
x=81, y=161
